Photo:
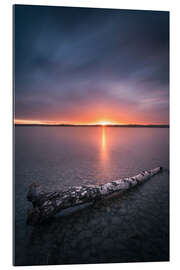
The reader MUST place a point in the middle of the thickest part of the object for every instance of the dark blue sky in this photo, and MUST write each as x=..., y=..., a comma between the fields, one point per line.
x=87, y=65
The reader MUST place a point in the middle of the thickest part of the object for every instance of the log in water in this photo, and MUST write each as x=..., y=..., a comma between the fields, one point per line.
x=49, y=204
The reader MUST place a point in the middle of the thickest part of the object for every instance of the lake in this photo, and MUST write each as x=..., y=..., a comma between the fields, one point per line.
x=130, y=228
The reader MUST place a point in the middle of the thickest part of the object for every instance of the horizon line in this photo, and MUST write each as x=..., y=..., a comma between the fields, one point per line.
x=92, y=125
x=102, y=122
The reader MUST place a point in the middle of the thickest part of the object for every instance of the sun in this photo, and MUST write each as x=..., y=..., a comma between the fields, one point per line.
x=104, y=123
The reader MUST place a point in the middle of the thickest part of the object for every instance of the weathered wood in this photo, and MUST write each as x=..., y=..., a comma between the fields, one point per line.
x=48, y=204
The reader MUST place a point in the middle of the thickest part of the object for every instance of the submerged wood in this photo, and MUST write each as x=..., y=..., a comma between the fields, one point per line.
x=48, y=204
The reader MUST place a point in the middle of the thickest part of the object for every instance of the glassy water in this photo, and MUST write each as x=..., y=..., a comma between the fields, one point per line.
x=129, y=228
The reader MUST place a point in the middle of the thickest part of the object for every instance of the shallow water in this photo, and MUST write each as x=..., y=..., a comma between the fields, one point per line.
x=132, y=227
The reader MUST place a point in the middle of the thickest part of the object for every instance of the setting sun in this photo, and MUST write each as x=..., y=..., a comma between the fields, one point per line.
x=104, y=123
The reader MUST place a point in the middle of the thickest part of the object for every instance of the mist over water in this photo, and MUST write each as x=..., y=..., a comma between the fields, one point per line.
x=132, y=227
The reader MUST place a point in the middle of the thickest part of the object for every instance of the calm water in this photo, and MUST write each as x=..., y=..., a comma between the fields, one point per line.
x=133, y=227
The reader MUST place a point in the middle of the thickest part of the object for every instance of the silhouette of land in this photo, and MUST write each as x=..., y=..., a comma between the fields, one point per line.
x=95, y=125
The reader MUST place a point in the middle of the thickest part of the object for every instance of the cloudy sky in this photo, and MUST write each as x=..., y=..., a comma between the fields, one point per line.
x=79, y=65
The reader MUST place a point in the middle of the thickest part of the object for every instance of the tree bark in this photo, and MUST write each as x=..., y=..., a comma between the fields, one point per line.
x=48, y=204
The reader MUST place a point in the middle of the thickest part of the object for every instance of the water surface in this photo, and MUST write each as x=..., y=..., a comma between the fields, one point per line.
x=133, y=227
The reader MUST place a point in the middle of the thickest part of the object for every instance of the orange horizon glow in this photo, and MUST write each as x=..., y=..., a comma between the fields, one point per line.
x=104, y=123
x=101, y=122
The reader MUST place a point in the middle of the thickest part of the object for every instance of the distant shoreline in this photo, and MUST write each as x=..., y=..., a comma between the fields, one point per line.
x=64, y=125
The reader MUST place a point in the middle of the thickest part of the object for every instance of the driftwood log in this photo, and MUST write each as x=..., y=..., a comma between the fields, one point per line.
x=48, y=204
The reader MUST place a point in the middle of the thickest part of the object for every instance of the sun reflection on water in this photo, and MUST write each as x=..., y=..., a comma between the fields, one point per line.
x=103, y=144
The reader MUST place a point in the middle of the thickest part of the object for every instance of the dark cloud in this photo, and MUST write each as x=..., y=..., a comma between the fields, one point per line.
x=71, y=59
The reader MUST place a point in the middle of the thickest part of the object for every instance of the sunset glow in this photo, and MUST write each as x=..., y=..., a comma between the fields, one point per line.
x=41, y=122
x=104, y=123
x=101, y=123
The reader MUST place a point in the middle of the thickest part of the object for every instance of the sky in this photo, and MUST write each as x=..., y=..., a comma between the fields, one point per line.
x=87, y=66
